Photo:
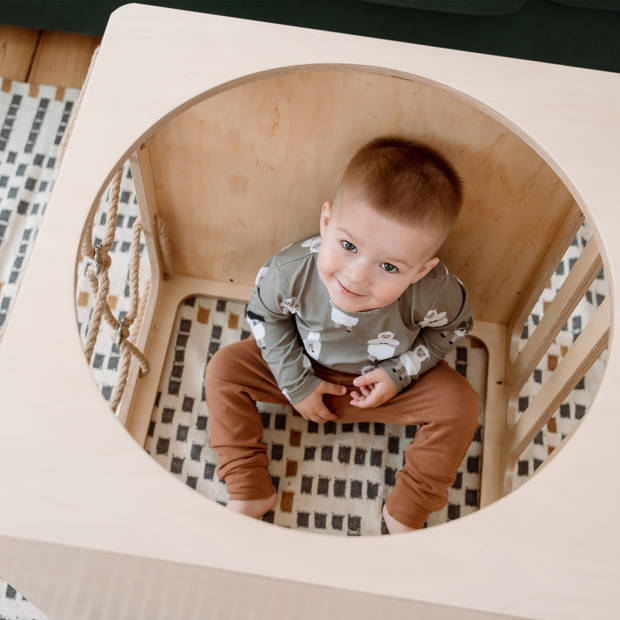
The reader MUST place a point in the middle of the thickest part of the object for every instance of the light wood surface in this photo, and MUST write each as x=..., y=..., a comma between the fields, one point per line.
x=17, y=49
x=265, y=156
x=109, y=588
x=45, y=57
x=62, y=59
x=493, y=336
x=545, y=551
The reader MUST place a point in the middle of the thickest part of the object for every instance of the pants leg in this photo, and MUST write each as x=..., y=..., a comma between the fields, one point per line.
x=237, y=377
x=442, y=403
x=446, y=408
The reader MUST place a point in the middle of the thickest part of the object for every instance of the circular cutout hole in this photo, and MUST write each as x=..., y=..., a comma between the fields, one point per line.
x=243, y=173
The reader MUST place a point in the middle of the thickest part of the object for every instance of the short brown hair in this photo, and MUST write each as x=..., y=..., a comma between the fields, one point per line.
x=407, y=181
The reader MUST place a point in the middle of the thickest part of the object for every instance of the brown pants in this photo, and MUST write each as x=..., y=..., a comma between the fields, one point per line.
x=442, y=402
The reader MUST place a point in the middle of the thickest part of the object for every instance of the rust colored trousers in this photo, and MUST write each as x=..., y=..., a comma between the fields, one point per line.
x=441, y=402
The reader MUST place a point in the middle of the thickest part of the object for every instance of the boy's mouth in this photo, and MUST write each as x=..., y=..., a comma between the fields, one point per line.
x=345, y=290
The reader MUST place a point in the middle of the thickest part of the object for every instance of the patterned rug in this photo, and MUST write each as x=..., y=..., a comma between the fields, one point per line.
x=331, y=479
x=33, y=121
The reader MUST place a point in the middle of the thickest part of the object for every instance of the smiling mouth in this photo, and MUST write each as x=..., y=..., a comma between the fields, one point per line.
x=345, y=290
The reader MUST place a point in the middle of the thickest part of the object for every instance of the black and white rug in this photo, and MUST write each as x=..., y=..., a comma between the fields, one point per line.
x=331, y=478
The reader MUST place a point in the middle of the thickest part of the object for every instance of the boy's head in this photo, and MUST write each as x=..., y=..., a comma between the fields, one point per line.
x=395, y=206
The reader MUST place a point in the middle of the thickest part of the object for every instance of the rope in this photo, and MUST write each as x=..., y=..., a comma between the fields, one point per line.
x=141, y=309
x=99, y=280
x=102, y=262
x=127, y=348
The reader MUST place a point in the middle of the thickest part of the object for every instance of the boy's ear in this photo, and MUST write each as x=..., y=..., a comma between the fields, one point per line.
x=428, y=265
x=326, y=211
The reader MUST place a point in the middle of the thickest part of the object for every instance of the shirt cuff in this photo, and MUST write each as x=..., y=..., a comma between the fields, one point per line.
x=305, y=388
x=396, y=372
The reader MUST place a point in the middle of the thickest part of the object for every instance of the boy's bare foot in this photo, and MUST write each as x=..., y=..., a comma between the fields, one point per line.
x=394, y=526
x=253, y=507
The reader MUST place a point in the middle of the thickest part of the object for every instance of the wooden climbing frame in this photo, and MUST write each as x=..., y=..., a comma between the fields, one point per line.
x=538, y=146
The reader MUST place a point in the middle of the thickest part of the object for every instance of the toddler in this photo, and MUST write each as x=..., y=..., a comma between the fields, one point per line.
x=353, y=326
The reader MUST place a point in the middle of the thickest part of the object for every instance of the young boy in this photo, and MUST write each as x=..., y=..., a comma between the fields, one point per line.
x=353, y=326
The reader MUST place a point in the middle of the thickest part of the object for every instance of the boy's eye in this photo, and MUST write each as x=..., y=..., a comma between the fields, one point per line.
x=389, y=267
x=348, y=246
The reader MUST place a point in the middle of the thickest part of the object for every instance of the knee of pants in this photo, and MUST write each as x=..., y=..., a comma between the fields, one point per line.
x=460, y=396
x=218, y=369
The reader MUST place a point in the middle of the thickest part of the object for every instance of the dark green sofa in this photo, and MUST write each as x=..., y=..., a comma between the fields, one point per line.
x=583, y=33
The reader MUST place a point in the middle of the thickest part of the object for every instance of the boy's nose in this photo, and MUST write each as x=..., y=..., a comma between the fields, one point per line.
x=358, y=276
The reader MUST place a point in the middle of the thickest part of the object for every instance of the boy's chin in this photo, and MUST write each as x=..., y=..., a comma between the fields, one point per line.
x=344, y=302
x=351, y=305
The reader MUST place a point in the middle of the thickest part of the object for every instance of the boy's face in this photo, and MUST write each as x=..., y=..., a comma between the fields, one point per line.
x=367, y=260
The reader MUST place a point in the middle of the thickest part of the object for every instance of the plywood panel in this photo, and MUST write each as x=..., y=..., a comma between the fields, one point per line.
x=63, y=58
x=72, y=476
x=244, y=173
x=17, y=48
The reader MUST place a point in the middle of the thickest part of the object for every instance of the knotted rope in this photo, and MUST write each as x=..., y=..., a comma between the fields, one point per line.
x=97, y=275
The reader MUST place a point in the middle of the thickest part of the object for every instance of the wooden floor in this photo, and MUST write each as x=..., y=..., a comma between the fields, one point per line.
x=44, y=56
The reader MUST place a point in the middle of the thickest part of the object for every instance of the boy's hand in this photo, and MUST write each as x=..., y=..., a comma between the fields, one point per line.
x=313, y=408
x=375, y=387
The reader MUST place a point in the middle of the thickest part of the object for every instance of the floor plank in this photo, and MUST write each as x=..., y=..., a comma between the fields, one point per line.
x=17, y=49
x=62, y=58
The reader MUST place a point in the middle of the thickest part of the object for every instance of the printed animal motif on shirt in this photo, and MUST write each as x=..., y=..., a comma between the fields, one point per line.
x=255, y=321
x=341, y=319
x=313, y=344
x=447, y=335
x=412, y=360
x=461, y=331
x=400, y=373
x=314, y=244
x=260, y=275
x=434, y=319
x=382, y=347
x=290, y=305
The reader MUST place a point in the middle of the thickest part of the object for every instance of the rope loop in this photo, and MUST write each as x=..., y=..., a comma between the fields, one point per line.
x=122, y=332
x=102, y=258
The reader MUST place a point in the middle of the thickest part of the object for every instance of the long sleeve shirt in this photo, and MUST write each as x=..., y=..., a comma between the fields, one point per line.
x=293, y=320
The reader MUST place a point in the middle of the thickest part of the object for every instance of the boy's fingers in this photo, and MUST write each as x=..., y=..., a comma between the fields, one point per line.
x=372, y=400
x=325, y=415
x=333, y=388
x=366, y=379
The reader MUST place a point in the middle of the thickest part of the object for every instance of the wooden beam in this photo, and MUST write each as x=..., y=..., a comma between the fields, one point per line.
x=493, y=335
x=538, y=281
x=134, y=397
x=171, y=295
x=580, y=357
x=588, y=265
